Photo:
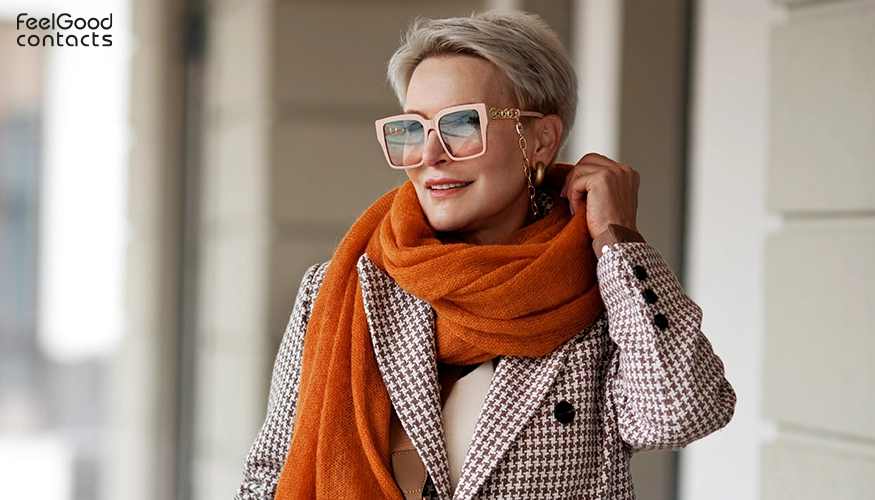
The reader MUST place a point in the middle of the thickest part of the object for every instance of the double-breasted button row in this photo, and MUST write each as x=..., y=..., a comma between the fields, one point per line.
x=650, y=296
x=564, y=412
x=640, y=272
x=660, y=321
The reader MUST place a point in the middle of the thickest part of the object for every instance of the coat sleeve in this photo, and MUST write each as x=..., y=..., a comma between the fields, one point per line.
x=262, y=467
x=666, y=383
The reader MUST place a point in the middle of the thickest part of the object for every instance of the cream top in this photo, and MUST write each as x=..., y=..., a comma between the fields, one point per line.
x=460, y=414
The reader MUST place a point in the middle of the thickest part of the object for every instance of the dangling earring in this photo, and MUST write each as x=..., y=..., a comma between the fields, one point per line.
x=540, y=170
x=526, y=170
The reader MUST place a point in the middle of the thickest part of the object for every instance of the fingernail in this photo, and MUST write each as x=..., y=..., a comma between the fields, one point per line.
x=571, y=208
x=562, y=194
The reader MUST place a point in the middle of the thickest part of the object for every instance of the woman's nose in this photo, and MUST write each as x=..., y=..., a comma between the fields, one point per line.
x=433, y=151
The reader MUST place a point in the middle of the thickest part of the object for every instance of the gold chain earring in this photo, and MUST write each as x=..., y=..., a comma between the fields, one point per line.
x=527, y=170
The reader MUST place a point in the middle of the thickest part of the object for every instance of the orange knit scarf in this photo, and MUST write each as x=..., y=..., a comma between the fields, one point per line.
x=523, y=298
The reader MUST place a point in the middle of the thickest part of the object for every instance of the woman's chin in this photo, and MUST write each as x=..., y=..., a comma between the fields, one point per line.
x=444, y=224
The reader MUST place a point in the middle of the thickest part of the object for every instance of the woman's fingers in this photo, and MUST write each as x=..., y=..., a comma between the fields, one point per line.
x=609, y=188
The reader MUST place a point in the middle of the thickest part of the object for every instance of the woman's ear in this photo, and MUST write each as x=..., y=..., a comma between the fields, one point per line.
x=547, y=135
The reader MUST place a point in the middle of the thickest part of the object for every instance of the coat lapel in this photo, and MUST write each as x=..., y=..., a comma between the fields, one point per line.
x=402, y=330
x=518, y=387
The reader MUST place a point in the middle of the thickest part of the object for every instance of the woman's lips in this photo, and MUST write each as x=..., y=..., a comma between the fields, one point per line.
x=441, y=188
x=444, y=187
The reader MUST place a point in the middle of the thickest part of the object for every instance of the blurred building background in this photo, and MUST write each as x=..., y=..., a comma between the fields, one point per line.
x=160, y=200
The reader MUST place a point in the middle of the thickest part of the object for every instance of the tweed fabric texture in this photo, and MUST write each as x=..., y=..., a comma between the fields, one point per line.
x=489, y=302
x=405, y=349
x=268, y=453
x=634, y=383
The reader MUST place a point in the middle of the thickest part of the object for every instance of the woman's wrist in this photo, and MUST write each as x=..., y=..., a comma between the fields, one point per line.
x=614, y=234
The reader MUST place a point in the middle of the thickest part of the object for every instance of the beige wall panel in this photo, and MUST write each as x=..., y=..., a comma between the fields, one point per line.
x=235, y=294
x=290, y=259
x=231, y=406
x=820, y=324
x=557, y=14
x=794, y=3
x=145, y=183
x=823, y=111
x=239, y=287
x=216, y=479
x=653, y=118
x=238, y=69
x=235, y=174
x=143, y=271
x=208, y=290
x=812, y=472
x=336, y=52
x=328, y=171
x=228, y=373
x=146, y=86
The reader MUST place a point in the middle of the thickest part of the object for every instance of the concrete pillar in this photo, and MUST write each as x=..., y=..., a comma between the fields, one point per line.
x=727, y=226
x=142, y=375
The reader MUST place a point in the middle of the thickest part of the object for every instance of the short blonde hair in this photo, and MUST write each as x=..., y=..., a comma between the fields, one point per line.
x=521, y=45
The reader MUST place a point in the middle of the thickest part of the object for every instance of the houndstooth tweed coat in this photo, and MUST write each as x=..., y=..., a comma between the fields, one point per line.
x=560, y=426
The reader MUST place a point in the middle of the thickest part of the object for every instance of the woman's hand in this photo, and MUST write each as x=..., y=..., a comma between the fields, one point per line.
x=610, y=190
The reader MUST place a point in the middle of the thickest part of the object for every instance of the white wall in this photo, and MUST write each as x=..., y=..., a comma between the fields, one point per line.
x=784, y=117
x=727, y=228
x=819, y=380
x=598, y=55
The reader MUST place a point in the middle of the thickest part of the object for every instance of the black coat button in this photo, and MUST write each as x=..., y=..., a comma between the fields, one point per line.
x=649, y=296
x=564, y=412
x=640, y=272
x=660, y=321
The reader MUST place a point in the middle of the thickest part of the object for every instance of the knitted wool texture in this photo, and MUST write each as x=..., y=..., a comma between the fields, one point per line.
x=521, y=298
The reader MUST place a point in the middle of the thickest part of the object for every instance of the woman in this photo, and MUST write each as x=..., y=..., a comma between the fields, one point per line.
x=494, y=328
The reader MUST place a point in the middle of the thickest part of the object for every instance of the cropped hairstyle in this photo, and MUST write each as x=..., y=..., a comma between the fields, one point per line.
x=525, y=50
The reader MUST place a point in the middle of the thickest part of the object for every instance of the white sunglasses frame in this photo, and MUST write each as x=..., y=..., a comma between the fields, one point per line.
x=431, y=124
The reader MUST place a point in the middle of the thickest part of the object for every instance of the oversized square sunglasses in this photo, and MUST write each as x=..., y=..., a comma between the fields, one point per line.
x=461, y=131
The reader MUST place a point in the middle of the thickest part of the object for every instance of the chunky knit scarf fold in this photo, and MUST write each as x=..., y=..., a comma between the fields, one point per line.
x=522, y=298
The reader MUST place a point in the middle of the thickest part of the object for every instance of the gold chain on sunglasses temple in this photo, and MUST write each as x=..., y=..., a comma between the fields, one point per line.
x=514, y=114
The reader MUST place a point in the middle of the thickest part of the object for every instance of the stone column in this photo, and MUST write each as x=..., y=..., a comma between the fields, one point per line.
x=142, y=375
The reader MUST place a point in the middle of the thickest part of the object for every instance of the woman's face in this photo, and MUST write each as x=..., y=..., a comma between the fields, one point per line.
x=481, y=200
